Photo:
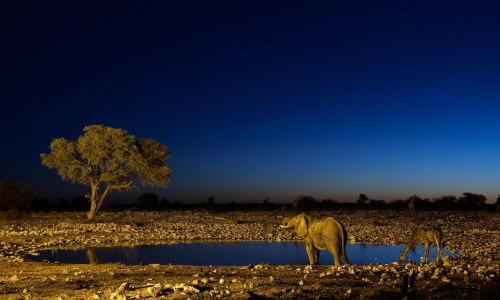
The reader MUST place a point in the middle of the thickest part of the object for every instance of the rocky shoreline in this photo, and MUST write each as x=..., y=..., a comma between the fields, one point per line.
x=475, y=268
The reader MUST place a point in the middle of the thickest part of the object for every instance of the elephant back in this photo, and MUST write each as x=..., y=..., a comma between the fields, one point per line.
x=342, y=230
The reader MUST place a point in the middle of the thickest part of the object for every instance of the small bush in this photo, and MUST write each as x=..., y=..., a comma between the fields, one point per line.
x=12, y=214
x=17, y=196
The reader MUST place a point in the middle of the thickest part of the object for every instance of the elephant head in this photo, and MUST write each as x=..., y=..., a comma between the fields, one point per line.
x=299, y=223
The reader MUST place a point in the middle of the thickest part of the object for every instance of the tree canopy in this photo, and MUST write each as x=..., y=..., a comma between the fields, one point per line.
x=108, y=159
x=362, y=198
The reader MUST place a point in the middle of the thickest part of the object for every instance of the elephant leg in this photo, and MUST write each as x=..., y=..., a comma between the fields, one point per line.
x=310, y=253
x=344, y=254
x=344, y=258
x=316, y=256
x=336, y=253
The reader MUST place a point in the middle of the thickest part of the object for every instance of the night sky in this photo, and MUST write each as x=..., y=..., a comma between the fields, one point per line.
x=260, y=99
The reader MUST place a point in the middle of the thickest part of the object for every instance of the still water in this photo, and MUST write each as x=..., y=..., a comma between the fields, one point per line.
x=229, y=254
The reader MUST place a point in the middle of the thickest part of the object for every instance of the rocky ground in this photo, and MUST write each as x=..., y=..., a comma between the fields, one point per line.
x=474, y=273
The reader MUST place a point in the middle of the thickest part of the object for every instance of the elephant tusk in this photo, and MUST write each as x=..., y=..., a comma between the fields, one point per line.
x=282, y=226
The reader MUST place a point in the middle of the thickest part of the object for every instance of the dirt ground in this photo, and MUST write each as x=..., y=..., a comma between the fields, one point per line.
x=472, y=274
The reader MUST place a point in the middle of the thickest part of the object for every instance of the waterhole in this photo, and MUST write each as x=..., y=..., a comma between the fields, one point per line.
x=228, y=254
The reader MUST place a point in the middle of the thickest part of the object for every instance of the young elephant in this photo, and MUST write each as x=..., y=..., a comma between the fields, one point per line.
x=325, y=234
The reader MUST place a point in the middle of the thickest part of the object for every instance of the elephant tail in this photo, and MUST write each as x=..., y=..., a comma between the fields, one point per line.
x=344, y=240
x=343, y=234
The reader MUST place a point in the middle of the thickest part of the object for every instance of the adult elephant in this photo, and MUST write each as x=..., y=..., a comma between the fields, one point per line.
x=319, y=234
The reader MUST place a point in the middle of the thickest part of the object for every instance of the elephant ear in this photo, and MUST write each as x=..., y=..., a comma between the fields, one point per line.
x=302, y=228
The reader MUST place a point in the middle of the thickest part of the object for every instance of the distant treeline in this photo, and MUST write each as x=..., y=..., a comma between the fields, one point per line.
x=18, y=197
x=152, y=202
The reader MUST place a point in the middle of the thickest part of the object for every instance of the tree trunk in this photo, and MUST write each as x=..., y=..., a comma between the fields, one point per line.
x=96, y=200
x=93, y=202
x=93, y=209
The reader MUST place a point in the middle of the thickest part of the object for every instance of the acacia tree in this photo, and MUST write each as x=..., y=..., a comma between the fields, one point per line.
x=108, y=159
x=362, y=199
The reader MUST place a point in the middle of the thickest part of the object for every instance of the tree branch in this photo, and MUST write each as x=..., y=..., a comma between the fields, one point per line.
x=121, y=186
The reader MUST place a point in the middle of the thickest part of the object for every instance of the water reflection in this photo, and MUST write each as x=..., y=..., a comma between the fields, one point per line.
x=91, y=256
x=228, y=253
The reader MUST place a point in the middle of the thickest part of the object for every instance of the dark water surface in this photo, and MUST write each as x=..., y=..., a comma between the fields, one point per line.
x=228, y=254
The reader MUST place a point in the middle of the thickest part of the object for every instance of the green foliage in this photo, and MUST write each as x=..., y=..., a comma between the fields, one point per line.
x=108, y=155
x=16, y=196
x=107, y=159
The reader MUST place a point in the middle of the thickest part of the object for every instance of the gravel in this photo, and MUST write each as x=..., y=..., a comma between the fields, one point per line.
x=476, y=235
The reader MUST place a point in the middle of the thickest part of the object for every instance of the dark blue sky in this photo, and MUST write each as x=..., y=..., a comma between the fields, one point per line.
x=261, y=99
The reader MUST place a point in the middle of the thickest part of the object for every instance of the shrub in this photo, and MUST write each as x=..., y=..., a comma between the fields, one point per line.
x=16, y=196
